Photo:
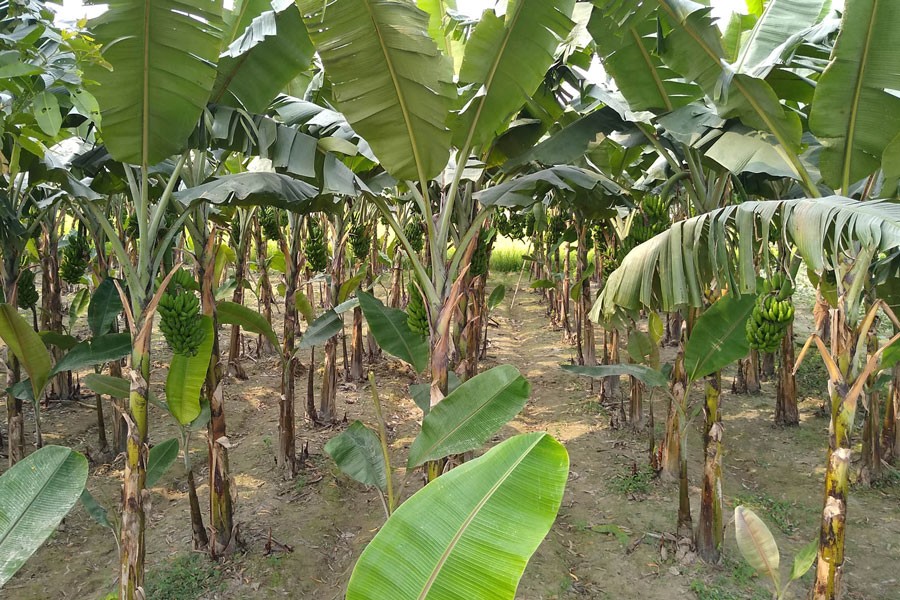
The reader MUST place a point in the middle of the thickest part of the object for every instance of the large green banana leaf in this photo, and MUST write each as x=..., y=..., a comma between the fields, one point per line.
x=254, y=189
x=469, y=534
x=719, y=336
x=358, y=453
x=470, y=414
x=779, y=27
x=388, y=78
x=94, y=351
x=232, y=313
x=855, y=111
x=264, y=57
x=437, y=14
x=389, y=327
x=629, y=56
x=105, y=307
x=161, y=59
x=724, y=245
x=505, y=61
x=690, y=43
x=35, y=495
x=27, y=346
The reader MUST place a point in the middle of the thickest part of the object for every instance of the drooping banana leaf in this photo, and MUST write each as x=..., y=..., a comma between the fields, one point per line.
x=161, y=59
x=629, y=56
x=232, y=313
x=477, y=545
x=777, y=31
x=668, y=271
x=253, y=189
x=325, y=326
x=646, y=375
x=35, y=495
x=388, y=78
x=94, y=351
x=105, y=306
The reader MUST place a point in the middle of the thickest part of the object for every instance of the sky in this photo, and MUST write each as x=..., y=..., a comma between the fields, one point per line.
x=72, y=10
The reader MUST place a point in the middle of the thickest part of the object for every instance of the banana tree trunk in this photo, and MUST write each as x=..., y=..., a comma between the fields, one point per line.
x=565, y=304
x=751, y=373
x=830, y=558
x=51, y=296
x=235, y=368
x=328, y=400
x=356, y=346
x=131, y=574
x=119, y=425
x=870, y=471
x=396, y=295
x=264, y=287
x=199, y=539
x=710, y=530
x=287, y=448
x=611, y=384
x=671, y=444
x=786, y=411
x=636, y=405
x=15, y=419
x=889, y=429
x=221, y=508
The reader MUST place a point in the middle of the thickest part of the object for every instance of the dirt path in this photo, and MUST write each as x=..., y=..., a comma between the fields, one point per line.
x=608, y=541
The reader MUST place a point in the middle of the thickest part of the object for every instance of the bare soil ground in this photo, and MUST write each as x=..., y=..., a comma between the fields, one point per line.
x=611, y=539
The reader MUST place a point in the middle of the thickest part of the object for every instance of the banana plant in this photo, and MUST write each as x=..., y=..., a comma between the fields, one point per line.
x=852, y=240
x=718, y=339
x=506, y=57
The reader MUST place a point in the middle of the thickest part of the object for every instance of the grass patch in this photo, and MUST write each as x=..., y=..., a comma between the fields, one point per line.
x=184, y=577
x=778, y=512
x=812, y=378
x=637, y=480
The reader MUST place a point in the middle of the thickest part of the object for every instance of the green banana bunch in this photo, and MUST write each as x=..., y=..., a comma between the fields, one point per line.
x=479, y=264
x=235, y=230
x=772, y=313
x=179, y=311
x=557, y=227
x=75, y=258
x=27, y=295
x=416, y=313
x=131, y=227
x=316, y=251
x=360, y=241
x=270, y=222
x=415, y=233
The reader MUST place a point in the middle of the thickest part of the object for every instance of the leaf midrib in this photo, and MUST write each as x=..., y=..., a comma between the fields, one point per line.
x=5, y=535
x=401, y=99
x=471, y=517
x=477, y=411
x=854, y=104
x=492, y=73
